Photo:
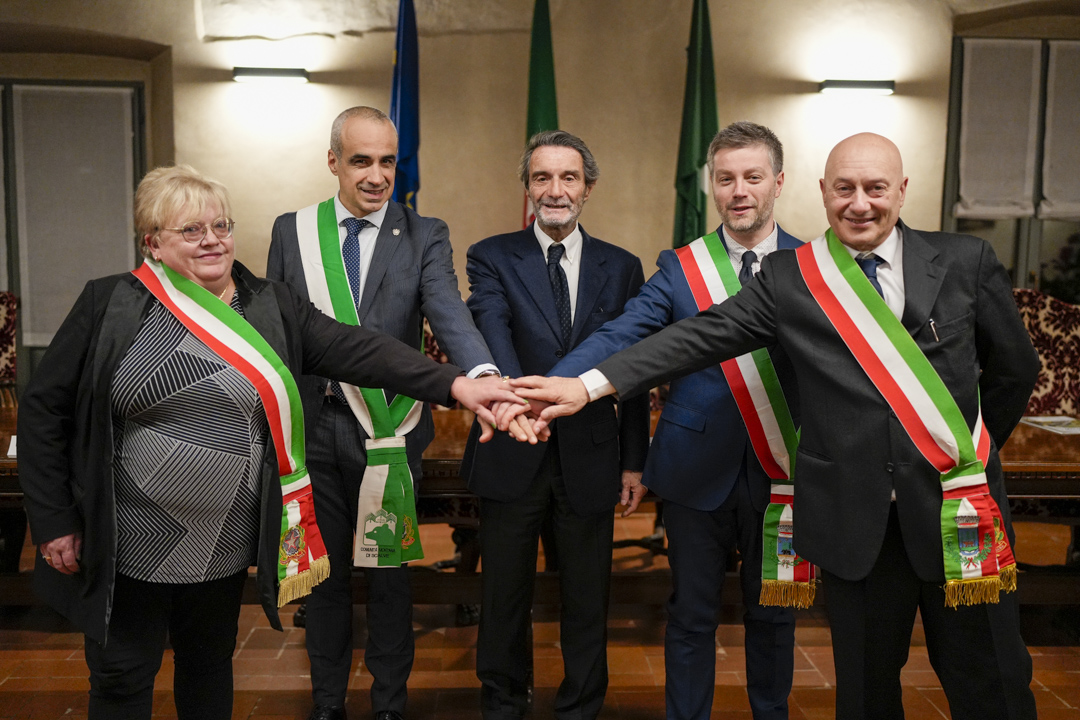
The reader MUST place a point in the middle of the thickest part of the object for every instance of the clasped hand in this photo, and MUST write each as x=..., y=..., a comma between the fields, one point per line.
x=523, y=407
x=538, y=401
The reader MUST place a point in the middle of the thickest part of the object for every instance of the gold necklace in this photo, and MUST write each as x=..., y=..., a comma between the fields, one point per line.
x=221, y=297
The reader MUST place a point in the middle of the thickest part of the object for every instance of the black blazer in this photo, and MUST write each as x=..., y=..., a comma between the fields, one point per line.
x=854, y=452
x=65, y=423
x=514, y=308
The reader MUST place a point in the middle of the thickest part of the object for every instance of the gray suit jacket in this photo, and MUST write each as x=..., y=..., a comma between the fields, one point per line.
x=411, y=277
x=854, y=452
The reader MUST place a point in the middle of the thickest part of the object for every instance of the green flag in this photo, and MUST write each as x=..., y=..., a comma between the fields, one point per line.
x=699, y=125
x=543, y=113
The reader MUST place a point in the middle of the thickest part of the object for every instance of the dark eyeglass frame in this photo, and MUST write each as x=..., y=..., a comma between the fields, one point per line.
x=195, y=231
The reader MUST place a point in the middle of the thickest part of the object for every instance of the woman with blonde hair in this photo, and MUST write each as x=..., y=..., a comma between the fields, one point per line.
x=162, y=449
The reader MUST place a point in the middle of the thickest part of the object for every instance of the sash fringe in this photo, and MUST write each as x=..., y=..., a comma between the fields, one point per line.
x=783, y=593
x=1008, y=578
x=297, y=586
x=972, y=592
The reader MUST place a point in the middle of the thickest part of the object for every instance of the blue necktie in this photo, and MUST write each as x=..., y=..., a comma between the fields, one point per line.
x=869, y=263
x=350, y=253
x=746, y=273
x=560, y=289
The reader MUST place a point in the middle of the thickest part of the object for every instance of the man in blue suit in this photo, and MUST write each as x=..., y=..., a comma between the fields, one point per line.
x=536, y=294
x=701, y=461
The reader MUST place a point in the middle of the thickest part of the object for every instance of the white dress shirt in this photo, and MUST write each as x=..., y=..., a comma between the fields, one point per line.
x=735, y=251
x=570, y=261
x=367, y=237
x=890, y=273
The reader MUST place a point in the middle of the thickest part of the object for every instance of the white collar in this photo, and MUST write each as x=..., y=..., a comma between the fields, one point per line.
x=763, y=248
x=375, y=218
x=571, y=243
x=886, y=250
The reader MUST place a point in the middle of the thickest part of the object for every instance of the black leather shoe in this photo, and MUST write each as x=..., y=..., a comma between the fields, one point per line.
x=388, y=715
x=325, y=712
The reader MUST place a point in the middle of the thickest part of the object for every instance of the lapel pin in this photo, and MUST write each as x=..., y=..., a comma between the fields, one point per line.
x=397, y=231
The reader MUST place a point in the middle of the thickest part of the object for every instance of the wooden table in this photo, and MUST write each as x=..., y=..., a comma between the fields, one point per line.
x=1042, y=474
x=10, y=492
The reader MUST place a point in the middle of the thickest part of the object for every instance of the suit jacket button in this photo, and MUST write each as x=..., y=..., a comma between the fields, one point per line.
x=559, y=353
x=888, y=467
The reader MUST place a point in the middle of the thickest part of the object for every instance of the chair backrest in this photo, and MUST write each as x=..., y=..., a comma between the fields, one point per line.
x=1054, y=327
x=7, y=337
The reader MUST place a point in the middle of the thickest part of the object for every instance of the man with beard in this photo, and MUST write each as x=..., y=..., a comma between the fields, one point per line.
x=536, y=294
x=702, y=461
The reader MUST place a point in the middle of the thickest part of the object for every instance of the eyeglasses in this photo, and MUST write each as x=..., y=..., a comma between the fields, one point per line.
x=194, y=231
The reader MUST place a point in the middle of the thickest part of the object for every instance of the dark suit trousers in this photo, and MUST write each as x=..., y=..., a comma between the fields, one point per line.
x=336, y=463
x=699, y=543
x=509, y=532
x=200, y=621
x=976, y=650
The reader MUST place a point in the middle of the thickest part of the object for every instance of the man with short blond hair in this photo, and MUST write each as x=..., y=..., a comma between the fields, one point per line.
x=702, y=461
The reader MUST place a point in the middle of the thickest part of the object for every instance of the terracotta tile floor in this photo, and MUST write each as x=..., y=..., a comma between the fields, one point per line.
x=42, y=674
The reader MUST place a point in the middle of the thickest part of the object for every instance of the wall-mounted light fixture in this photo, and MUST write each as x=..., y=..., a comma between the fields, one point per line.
x=870, y=87
x=256, y=74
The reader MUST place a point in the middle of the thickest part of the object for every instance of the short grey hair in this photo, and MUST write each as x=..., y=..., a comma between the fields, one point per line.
x=559, y=138
x=360, y=111
x=744, y=134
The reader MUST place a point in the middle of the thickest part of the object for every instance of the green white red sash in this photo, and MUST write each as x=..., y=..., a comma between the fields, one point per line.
x=302, y=560
x=978, y=560
x=386, y=525
x=786, y=579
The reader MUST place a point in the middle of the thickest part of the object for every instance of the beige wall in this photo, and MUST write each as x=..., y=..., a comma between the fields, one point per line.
x=620, y=69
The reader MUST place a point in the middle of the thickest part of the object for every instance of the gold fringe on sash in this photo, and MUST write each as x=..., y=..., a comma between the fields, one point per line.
x=1008, y=578
x=297, y=586
x=782, y=593
x=972, y=592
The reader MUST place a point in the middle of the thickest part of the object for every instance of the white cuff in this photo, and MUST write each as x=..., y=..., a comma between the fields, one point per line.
x=596, y=384
x=483, y=367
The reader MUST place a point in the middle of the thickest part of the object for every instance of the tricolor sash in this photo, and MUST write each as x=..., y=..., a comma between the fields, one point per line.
x=978, y=560
x=786, y=579
x=302, y=559
x=386, y=527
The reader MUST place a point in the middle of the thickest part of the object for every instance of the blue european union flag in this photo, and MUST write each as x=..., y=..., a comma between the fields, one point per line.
x=405, y=106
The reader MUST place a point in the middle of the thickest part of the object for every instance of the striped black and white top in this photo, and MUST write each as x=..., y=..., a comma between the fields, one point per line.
x=189, y=434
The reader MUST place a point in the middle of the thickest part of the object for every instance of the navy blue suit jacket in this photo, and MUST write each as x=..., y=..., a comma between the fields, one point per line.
x=700, y=439
x=514, y=307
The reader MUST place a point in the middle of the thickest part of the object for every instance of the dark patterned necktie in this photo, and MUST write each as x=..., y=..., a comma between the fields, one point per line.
x=560, y=289
x=869, y=263
x=350, y=253
x=746, y=273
